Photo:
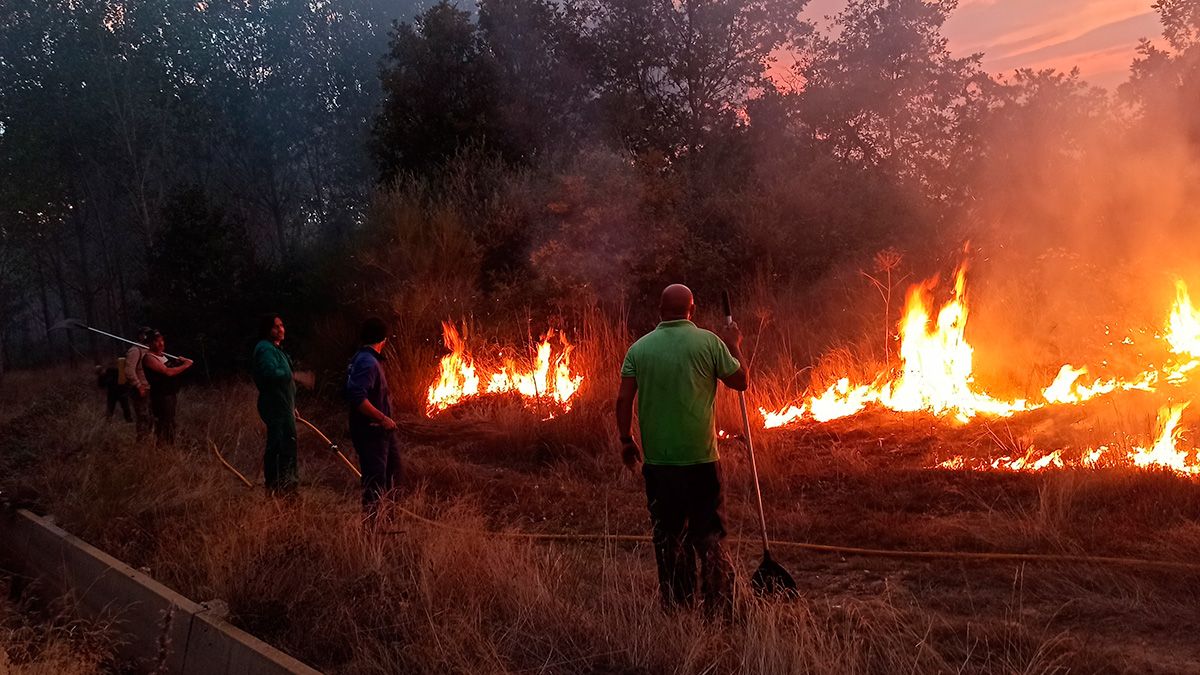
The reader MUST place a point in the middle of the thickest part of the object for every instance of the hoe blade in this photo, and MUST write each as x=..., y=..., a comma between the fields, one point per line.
x=771, y=579
x=65, y=323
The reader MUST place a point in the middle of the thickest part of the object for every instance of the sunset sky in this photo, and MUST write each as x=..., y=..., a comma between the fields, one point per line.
x=1098, y=36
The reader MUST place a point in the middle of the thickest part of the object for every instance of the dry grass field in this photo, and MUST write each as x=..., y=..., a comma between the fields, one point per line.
x=303, y=575
x=46, y=640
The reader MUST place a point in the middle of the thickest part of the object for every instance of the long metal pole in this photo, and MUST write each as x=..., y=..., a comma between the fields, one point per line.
x=71, y=323
x=762, y=517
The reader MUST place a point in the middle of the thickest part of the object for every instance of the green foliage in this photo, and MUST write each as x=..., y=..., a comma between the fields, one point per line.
x=883, y=90
x=1164, y=80
x=535, y=154
x=442, y=90
x=672, y=76
x=538, y=50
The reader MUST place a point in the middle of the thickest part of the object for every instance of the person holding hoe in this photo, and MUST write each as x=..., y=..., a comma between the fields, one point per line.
x=276, y=385
x=162, y=373
x=139, y=386
x=372, y=429
x=673, y=373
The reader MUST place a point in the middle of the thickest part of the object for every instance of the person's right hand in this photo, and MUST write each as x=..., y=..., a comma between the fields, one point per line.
x=187, y=363
x=731, y=335
x=388, y=423
x=631, y=455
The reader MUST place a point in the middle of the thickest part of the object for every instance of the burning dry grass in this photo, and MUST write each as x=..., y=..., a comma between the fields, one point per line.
x=303, y=575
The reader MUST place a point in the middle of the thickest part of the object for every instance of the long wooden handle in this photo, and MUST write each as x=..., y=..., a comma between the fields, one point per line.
x=727, y=305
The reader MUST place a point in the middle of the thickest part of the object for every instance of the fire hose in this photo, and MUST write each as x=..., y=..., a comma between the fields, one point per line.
x=980, y=556
x=902, y=554
x=332, y=446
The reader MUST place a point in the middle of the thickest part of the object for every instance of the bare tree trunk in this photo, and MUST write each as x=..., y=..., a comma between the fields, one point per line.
x=87, y=291
x=65, y=306
x=45, y=302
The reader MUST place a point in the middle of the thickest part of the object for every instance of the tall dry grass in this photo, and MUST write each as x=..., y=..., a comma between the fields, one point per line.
x=306, y=576
x=43, y=638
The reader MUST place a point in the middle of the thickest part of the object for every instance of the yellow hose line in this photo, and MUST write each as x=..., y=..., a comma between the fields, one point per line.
x=332, y=446
x=229, y=466
x=849, y=550
x=981, y=556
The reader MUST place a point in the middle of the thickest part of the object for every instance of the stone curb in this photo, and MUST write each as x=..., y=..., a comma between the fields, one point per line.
x=198, y=642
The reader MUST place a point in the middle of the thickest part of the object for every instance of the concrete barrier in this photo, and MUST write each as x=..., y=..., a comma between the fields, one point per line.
x=148, y=614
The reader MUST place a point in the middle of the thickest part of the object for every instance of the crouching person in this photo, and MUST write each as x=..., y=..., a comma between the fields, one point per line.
x=372, y=429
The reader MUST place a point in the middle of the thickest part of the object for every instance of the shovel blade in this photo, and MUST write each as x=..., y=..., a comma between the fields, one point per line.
x=771, y=579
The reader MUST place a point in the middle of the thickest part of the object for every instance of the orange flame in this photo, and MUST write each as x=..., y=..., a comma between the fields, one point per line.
x=936, y=373
x=457, y=379
x=1163, y=453
x=550, y=379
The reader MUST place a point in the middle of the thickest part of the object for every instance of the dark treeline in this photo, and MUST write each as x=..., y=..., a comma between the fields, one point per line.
x=189, y=164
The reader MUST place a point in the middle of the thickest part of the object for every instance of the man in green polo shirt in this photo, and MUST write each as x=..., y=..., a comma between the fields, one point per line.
x=673, y=373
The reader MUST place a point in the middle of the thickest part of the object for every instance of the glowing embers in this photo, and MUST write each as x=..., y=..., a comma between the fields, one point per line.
x=1166, y=452
x=545, y=380
x=935, y=373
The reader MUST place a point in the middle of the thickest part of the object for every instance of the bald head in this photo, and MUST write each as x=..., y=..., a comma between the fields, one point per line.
x=676, y=303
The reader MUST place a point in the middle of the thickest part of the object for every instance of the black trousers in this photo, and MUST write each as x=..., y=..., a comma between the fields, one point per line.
x=118, y=395
x=686, y=507
x=141, y=413
x=162, y=406
x=280, y=466
x=379, y=460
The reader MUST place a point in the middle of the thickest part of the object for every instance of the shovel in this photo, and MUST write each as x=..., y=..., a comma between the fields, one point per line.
x=770, y=578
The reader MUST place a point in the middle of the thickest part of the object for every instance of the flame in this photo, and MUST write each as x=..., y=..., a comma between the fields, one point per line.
x=549, y=380
x=457, y=379
x=1066, y=387
x=935, y=375
x=1163, y=453
x=1182, y=335
x=936, y=372
x=1183, y=325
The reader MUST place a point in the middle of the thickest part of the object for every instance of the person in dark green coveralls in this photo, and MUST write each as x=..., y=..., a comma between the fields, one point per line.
x=276, y=406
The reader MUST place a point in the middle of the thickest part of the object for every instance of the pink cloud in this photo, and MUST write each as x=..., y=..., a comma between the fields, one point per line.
x=1098, y=36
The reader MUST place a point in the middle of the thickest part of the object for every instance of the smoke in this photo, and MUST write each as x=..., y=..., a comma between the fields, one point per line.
x=1084, y=213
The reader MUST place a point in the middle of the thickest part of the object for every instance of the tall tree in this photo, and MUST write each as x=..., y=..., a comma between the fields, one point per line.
x=882, y=89
x=1164, y=82
x=442, y=91
x=537, y=47
x=673, y=74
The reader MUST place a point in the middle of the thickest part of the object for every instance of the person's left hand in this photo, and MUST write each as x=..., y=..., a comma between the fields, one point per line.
x=305, y=378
